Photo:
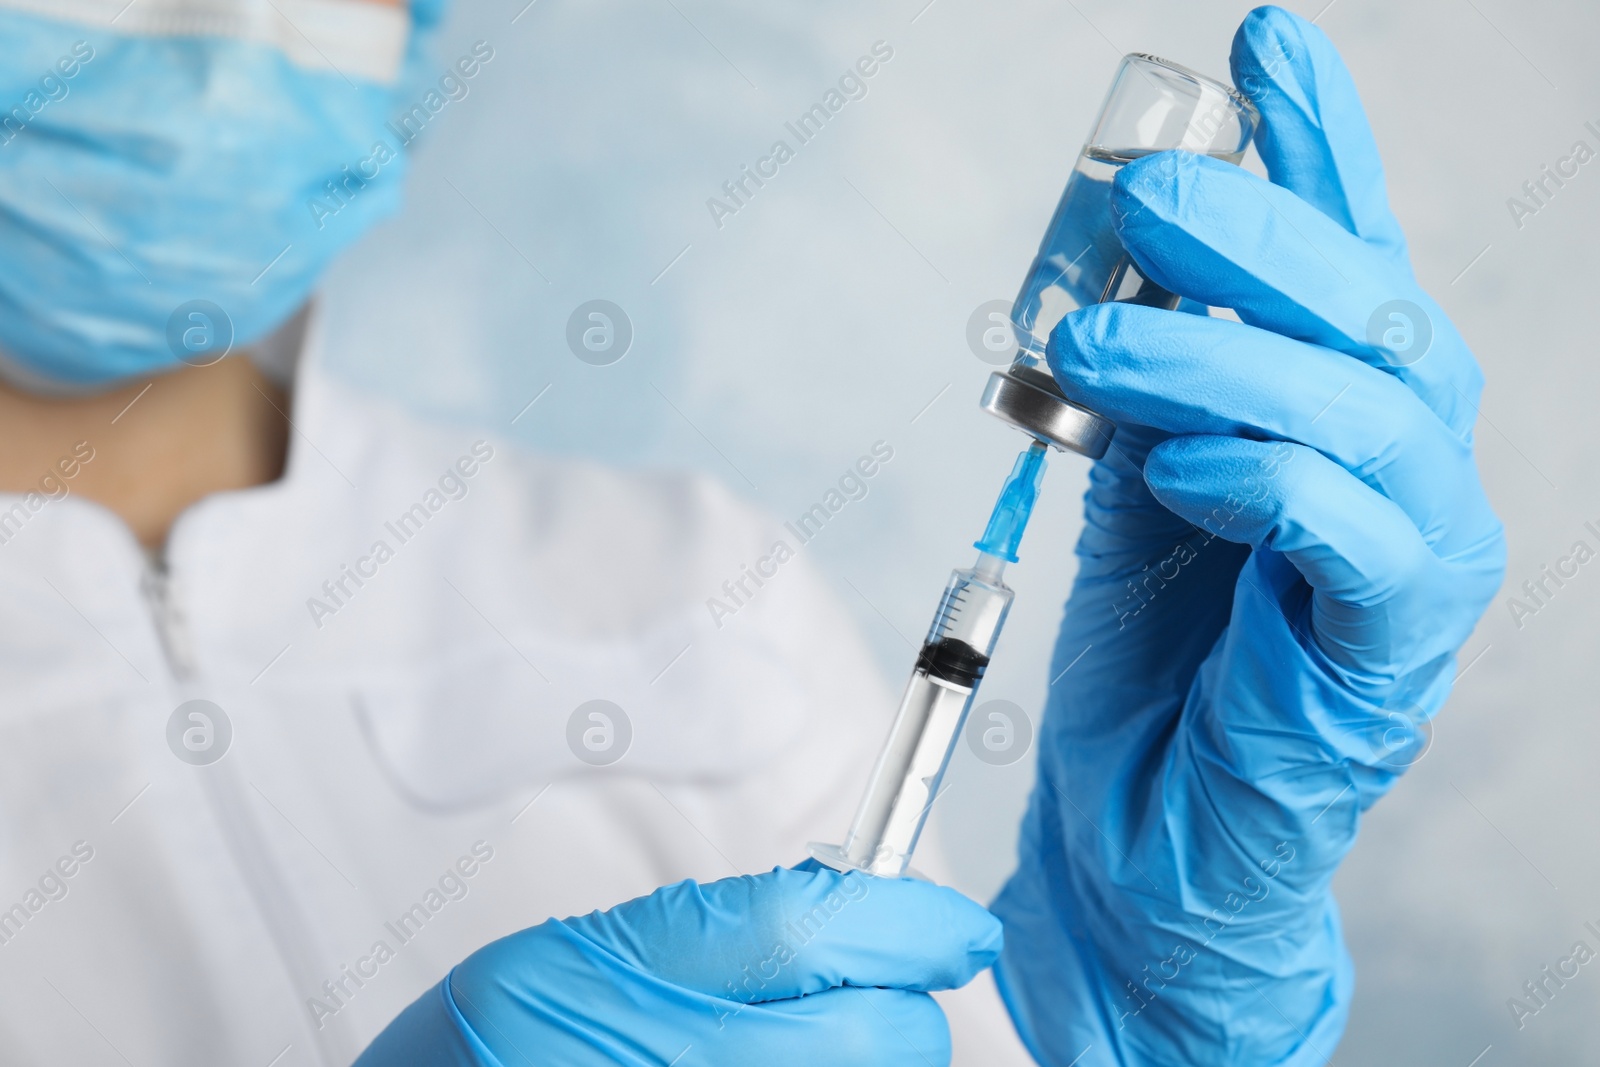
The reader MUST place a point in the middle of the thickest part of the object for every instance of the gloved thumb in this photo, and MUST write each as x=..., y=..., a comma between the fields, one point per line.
x=790, y=933
x=1314, y=136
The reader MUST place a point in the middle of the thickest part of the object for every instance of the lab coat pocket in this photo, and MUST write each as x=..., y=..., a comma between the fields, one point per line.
x=682, y=702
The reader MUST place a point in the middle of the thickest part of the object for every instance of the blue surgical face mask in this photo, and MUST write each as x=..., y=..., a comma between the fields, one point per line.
x=173, y=184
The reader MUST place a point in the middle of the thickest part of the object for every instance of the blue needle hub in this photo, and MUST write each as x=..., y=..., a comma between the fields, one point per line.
x=1011, y=511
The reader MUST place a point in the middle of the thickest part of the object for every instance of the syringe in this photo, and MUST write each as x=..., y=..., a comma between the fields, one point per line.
x=905, y=782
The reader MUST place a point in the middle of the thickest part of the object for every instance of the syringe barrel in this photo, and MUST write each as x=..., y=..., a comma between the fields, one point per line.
x=905, y=782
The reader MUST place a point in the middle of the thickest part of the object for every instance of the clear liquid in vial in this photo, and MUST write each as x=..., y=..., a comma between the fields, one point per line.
x=1081, y=261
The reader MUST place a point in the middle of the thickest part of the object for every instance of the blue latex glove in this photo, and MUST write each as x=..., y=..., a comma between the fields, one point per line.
x=1283, y=551
x=794, y=967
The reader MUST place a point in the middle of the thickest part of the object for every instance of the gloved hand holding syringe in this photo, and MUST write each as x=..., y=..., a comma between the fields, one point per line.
x=1153, y=106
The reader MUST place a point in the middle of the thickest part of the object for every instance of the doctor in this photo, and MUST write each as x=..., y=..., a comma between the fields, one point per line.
x=316, y=717
x=447, y=690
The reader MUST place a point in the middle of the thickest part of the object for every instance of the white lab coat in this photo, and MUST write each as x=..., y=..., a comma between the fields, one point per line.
x=416, y=726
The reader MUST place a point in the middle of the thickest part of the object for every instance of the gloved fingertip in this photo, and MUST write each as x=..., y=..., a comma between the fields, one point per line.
x=1314, y=136
x=1088, y=344
x=1160, y=190
x=1163, y=465
x=969, y=922
x=988, y=948
x=1141, y=183
x=880, y=931
x=985, y=940
x=1183, y=472
x=1263, y=30
x=971, y=934
x=1274, y=50
x=1079, y=344
x=986, y=934
x=990, y=942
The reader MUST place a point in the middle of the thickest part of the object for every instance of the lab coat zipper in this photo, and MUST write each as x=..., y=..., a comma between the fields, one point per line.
x=170, y=625
x=276, y=907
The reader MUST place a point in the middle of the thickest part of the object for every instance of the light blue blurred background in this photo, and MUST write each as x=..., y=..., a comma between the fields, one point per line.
x=832, y=309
